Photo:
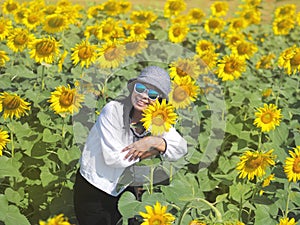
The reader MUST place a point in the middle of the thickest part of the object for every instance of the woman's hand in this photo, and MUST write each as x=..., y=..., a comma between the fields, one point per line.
x=145, y=147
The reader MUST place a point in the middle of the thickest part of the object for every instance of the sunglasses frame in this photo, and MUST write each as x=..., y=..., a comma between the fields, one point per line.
x=146, y=91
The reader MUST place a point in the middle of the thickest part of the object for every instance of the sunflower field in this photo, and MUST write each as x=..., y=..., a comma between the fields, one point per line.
x=235, y=92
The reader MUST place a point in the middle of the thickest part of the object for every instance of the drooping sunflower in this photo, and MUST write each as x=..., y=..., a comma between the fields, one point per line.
x=19, y=39
x=157, y=215
x=219, y=8
x=214, y=25
x=244, y=49
x=159, y=117
x=3, y=58
x=292, y=165
x=9, y=6
x=65, y=100
x=85, y=53
x=177, y=32
x=174, y=7
x=255, y=163
x=265, y=61
x=230, y=67
x=13, y=105
x=44, y=49
x=4, y=139
x=287, y=221
x=184, y=91
x=112, y=54
x=184, y=67
x=267, y=181
x=56, y=220
x=143, y=16
x=55, y=23
x=196, y=15
x=5, y=27
x=289, y=59
x=268, y=117
x=283, y=26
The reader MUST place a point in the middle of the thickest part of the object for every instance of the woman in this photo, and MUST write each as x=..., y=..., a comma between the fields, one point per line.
x=116, y=142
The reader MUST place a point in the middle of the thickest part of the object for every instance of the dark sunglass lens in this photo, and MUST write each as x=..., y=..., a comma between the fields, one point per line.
x=140, y=88
x=153, y=94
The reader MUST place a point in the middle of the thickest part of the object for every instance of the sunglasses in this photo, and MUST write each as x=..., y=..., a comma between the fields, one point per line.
x=140, y=88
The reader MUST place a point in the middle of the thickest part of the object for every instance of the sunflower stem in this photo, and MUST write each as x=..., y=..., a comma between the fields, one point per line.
x=288, y=200
x=259, y=140
x=12, y=139
x=42, y=78
x=151, y=179
x=63, y=133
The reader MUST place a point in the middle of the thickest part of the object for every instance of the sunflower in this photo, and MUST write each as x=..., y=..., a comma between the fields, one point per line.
x=85, y=53
x=268, y=180
x=230, y=67
x=3, y=58
x=244, y=49
x=12, y=105
x=268, y=117
x=206, y=62
x=232, y=38
x=292, y=165
x=143, y=16
x=9, y=6
x=134, y=46
x=184, y=67
x=65, y=100
x=203, y=46
x=197, y=222
x=287, y=10
x=125, y=6
x=56, y=220
x=184, y=91
x=237, y=24
x=214, y=25
x=139, y=31
x=289, y=59
x=61, y=60
x=112, y=54
x=219, y=8
x=251, y=15
x=44, y=49
x=55, y=23
x=159, y=117
x=174, y=7
x=265, y=61
x=19, y=39
x=108, y=29
x=33, y=18
x=177, y=32
x=254, y=163
x=19, y=14
x=111, y=7
x=157, y=215
x=4, y=139
x=287, y=221
x=196, y=15
x=283, y=26
x=5, y=27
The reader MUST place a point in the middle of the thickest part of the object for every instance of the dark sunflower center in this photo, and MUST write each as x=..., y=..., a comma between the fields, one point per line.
x=66, y=99
x=85, y=53
x=45, y=48
x=111, y=53
x=56, y=22
x=11, y=102
x=296, y=165
x=180, y=94
x=295, y=61
x=158, y=118
x=20, y=39
x=213, y=24
x=242, y=48
x=174, y=6
x=230, y=67
x=11, y=7
x=254, y=162
x=32, y=19
x=266, y=118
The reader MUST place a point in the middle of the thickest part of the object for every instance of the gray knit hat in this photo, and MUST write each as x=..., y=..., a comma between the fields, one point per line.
x=155, y=76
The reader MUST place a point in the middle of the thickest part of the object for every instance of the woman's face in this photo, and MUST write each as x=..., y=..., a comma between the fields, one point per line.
x=140, y=101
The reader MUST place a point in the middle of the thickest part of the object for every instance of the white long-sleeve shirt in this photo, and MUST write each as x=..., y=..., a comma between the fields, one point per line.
x=102, y=162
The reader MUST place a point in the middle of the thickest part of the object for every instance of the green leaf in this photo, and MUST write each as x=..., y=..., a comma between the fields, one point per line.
x=67, y=156
x=262, y=216
x=13, y=217
x=3, y=207
x=14, y=196
x=128, y=205
x=9, y=167
x=49, y=137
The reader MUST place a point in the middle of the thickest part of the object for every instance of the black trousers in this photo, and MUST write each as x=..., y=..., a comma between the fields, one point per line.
x=93, y=206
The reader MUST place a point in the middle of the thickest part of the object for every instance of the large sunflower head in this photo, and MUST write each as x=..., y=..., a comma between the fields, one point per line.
x=219, y=8
x=184, y=91
x=57, y=220
x=18, y=39
x=5, y=27
x=255, y=163
x=268, y=117
x=177, y=32
x=85, y=53
x=289, y=59
x=55, y=23
x=159, y=117
x=4, y=139
x=292, y=165
x=157, y=215
x=184, y=67
x=10, y=6
x=244, y=48
x=12, y=105
x=65, y=100
x=143, y=16
x=174, y=7
x=214, y=25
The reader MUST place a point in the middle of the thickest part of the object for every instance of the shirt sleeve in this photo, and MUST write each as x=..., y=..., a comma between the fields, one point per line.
x=111, y=137
x=176, y=145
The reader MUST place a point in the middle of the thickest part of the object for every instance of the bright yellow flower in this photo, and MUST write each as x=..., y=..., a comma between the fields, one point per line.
x=174, y=7
x=196, y=222
x=236, y=25
x=109, y=29
x=232, y=38
x=268, y=117
x=65, y=100
x=287, y=221
x=85, y=53
x=287, y=10
x=292, y=165
x=265, y=61
x=267, y=92
x=139, y=31
x=19, y=39
x=157, y=215
x=244, y=49
x=69, y=11
x=177, y=32
x=13, y=106
x=20, y=13
x=196, y=15
x=61, y=61
x=219, y=8
x=159, y=117
x=56, y=220
x=214, y=25
x=283, y=26
x=268, y=180
x=4, y=139
x=184, y=92
x=206, y=62
x=125, y=6
x=143, y=16
x=55, y=23
x=253, y=3
x=5, y=27
x=230, y=67
x=251, y=15
x=255, y=163
x=289, y=59
x=184, y=67
x=203, y=46
x=111, y=7
x=44, y=49
x=10, y=6
x=33, y=18
x=3, y=58
x=112, y=54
